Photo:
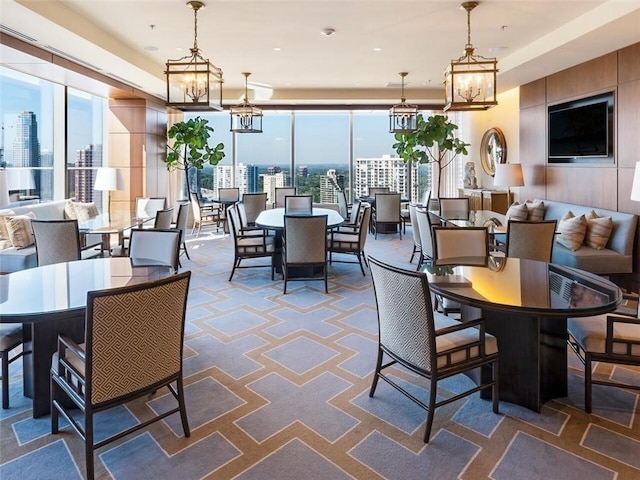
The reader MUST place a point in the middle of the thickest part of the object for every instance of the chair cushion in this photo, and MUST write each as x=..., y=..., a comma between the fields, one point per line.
x=598, y=230
x=457, y=339
x=572, y=231
x=344, y=241
x=10, y=335
x=591, y=333
x=255, y=244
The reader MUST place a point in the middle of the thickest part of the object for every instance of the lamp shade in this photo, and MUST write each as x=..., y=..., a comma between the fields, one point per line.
x=508, y=175
x=108, y=178
x=635, y=188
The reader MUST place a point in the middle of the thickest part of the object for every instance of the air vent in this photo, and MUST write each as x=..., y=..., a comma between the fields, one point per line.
x=17, y=34
x=123, y=80
x=74, y=59
x=396, y=84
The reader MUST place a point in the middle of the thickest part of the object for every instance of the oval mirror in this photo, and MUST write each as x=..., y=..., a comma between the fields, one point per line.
x=493, y=150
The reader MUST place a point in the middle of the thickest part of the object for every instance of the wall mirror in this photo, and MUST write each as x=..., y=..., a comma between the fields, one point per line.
x=493, y=150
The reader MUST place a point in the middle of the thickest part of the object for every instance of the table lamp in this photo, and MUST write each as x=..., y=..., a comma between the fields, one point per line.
x=108, y=179
x=508, y=175
x=635, y=187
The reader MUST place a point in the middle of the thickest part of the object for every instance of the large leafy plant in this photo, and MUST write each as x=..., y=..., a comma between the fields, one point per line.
x=432, y=142
x=188, y=147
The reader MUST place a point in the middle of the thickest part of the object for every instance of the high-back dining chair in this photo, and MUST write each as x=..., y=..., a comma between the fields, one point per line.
x=280, y=193
x=228, y=195
x=423, y=225
x=454, y=242
x=58, y=241
x=417, y=242
x=387, y=212
x=343, y=207
x=373, y=191
x=304, y=245
x=352, y=242
x=202, y=217
x=454, y=208
x=133, y=347
x=152, y=246
x=10, y=339
x=531, y=240
x=164, y=218
x=425, y=342
x=146, y=207
x=298, y=204
x=246, y=245
x=181, y=224
x=253, y=204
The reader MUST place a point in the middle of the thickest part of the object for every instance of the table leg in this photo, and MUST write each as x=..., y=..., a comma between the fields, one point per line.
x=37, y=364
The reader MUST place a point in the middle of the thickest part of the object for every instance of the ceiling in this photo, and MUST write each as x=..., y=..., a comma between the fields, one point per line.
x=374, y=40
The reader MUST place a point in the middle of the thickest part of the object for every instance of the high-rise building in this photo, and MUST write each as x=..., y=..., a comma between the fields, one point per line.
x=222, y=177
x=329, y=186
x=273, y=169
x=84, y=175
x=385, y=171
x=26, y=147
x=247, y=178
x=303, y=171
x=280, y=179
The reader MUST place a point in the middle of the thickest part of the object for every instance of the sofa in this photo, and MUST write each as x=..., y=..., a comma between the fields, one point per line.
x=614, y=259
x=13, y=259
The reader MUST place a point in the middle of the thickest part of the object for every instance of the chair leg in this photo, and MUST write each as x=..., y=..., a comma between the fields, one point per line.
x=236, y=263
x=495, y=390
x=433, y=390
x=88, y=445
x=360, y=262
x=376, y=374
x=186, y=252
x=183, y=408
x=587, y=383
x=4, y=354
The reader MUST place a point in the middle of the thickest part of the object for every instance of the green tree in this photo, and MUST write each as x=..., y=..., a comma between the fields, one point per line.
x=431, y=142
x=188, y=147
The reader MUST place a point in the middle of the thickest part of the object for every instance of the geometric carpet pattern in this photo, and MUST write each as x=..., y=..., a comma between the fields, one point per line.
x=277, y=388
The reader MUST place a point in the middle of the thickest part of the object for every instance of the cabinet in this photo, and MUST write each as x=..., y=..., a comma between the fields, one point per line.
x=474, y=196
x=494, y=200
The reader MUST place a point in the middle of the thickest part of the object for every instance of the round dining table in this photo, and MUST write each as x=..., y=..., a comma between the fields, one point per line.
x=51, y=299
x=525, y=304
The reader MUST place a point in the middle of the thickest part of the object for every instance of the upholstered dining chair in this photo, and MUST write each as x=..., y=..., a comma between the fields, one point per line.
x=304, y=247
x=252, y=205
x=417, y=243
x=164, y=218
x=387, y=212
x=298, y=204
x=454, y=208
x=153, y=246
x=251, y=245
x=280, y=193
x=58, y=241
x=352, y=242
x=350, y=223
x=608, y=339
x=141, y=353
x=10, y=339
x=203, y=217
x=343, y=207
x=424, y=221
x=531, y=240
x=373, y=191
x=181, y=224
x=425, y=342
x=146, y=207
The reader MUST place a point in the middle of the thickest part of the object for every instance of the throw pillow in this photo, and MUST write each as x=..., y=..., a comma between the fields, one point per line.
x=572, y=230
x=517, y=212
x=85, y=211
x=598, y=230
x=536, y=211
x=4, y=235
x=19, y=229
x=70, y=210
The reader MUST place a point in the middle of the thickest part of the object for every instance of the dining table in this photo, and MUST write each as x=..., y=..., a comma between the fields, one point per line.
x=52, y=299
x=525, y=304
x=108, y=224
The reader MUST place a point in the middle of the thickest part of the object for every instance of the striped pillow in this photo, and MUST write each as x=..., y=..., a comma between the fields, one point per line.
x=598, y=230
x=536, y=210
x=572, y=231
x=517, y=212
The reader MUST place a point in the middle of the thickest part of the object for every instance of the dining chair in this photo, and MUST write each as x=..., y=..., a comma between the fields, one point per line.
x=252, y=205
x=181, y=224
x=304, y=248
x=298, y=204
x=387, y=213
x=454, y=208
x=426, y=342
x=373, y=191
x=146, y=207
x=10, y=339
x=351, y=221
x=605, y=339
x=531, y=240
x=133, y=347
x=58, y=241
x=343, y=207
x=352, y=242
x=153, y=247
x=417, y=243
x=164, y=218
x=202, y=217
x=424, y=221
x=248, y=246
x=280, y=193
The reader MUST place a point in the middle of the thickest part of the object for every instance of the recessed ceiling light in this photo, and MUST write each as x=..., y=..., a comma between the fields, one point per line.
x=377, y=49
x=277, y=49
x=327, y=32
x=498, y=49
x=151, y=48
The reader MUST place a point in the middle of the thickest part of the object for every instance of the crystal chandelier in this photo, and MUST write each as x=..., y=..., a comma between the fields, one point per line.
x=470, y=81
x=246, y=118
x=193, y=82
x=403, y=118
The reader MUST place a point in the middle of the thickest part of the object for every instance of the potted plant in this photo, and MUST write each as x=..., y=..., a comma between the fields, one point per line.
x=433, y=141
x=188, y=147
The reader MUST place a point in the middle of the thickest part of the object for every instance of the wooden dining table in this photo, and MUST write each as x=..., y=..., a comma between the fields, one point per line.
x=50, y=300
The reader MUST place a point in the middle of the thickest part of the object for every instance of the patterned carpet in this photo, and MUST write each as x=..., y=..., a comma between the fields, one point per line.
x=277, y=388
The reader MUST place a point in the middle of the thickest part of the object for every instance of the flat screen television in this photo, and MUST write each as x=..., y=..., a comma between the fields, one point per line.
x=581, y=130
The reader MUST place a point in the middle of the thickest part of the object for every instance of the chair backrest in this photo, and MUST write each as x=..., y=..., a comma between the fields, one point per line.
x=387, y=207
x=228, y=194
x=356, y=206
x=195, y=205
x=414, y=225
x=56, y=241
x=183, y=218
x=425, y=220
x=531, y=240
x=342, y=204
x=282, y=192
x=364, y=216
x=457, y=242
x=305, y=239
x=146, y=207
x=405, y=314
x=164, y=218
x=144, y=344
x=375, y=190
x=454, y=208
x=426, y=199
x=235, y=223
x=298, y=204
x=254, y=203
x=155, y=247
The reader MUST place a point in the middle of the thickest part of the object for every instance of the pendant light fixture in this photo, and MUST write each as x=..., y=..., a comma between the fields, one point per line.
x=470, y=81
x=193, y=82
x=246, y=118
x=403, y=118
